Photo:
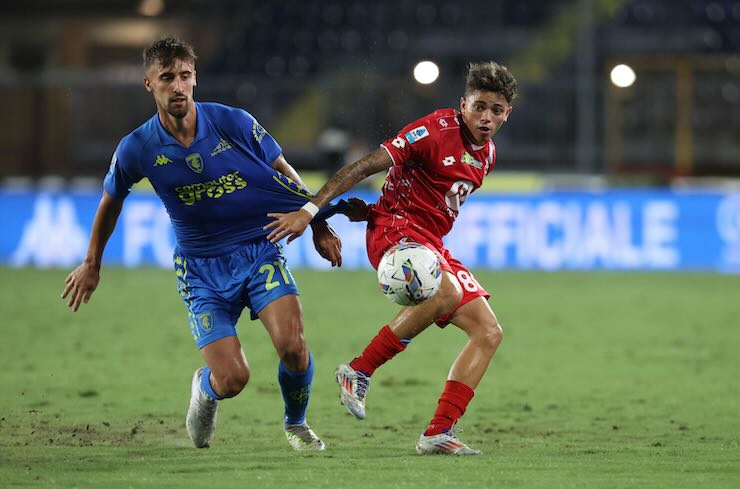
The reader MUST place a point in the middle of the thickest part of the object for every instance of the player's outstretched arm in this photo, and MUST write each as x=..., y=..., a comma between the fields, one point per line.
x=293, y=224
x=82, y=282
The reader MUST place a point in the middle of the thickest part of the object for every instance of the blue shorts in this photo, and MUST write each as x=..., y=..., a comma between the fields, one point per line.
x=217, y=289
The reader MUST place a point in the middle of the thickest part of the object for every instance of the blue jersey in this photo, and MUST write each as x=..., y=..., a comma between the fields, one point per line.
x=217, y=191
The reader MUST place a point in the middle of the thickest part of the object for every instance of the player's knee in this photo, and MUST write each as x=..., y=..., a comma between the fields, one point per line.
x=294, y=354
x=232, y=381
x=491, y=335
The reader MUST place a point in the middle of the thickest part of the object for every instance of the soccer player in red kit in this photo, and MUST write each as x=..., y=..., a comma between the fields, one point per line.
x=435, y=163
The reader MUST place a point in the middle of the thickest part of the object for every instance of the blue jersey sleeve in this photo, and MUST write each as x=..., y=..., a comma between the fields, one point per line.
x=124, y=171
x=255, y=137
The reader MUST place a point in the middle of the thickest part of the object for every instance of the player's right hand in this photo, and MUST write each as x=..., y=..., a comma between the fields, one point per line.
x=292, y=225
x=81, y=283
x=357, y=210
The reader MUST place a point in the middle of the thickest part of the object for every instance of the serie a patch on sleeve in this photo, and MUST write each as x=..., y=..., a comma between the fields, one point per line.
x=416, y=134
x=258, y=132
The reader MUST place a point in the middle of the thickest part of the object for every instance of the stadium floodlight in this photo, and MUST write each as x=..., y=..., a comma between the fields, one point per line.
x=426, y=72
x=623, y=76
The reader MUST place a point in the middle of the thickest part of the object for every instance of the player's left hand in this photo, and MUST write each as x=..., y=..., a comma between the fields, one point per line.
x=327, y=243
x=292, y=225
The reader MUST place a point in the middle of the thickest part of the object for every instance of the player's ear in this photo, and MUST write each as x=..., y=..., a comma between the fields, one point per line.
x=508, y=113
x=147, y=84
x=462, y=104
x=195, y=79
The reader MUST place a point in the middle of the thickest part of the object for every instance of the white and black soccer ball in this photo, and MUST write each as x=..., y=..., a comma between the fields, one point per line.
x=409, y=273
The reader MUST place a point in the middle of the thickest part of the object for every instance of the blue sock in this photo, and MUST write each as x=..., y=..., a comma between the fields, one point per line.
x=205, y=385
x=296, y=388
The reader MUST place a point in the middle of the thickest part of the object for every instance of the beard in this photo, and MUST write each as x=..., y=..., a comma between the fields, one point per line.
x=178, y=111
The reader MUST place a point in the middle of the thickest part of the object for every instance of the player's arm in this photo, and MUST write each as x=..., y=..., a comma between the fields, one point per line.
x=293, y=224
x=81, y=283
x=282, y=165
x=325, y=240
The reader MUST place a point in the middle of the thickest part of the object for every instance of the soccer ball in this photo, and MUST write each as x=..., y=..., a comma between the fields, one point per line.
x=409, y=273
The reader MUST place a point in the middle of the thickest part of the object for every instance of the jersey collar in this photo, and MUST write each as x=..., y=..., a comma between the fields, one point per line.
x=201, y=129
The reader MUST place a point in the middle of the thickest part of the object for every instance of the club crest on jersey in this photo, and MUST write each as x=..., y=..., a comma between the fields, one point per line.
x=195, y=162
x=206, y=321
x=469, y=160
x=416, y=134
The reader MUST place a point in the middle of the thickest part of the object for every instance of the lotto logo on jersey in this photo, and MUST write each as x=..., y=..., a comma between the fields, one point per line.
x=416, y=134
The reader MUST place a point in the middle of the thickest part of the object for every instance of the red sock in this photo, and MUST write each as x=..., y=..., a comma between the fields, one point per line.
x=382, y=348
x=452, y=404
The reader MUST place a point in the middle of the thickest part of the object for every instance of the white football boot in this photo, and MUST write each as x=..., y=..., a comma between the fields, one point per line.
x=353, y=387
x=443, y=444
x=202, y=413
x=302, y=438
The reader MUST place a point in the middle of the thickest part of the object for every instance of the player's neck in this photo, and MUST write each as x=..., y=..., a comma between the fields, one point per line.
x=181, y=128
x=470, y=139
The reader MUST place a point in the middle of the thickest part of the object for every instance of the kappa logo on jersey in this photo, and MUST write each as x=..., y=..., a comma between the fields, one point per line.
x=258, y=132
x=161, y=160
x=469, y=160
x=195, y=162
x=416, y=134
x=448, y=161
x=223, y=145
x=442, y=122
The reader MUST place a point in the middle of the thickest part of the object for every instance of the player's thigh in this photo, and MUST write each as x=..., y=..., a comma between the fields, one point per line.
x=272, y=296
x=283, y=320
x=210, y=317
x=479, y=322
x=471, y=288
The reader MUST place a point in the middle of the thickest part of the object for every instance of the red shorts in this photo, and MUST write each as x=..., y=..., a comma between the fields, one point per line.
x=380, y=238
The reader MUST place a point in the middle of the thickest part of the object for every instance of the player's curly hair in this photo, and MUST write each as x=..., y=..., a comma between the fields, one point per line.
x=165, y=51
x=492, y=77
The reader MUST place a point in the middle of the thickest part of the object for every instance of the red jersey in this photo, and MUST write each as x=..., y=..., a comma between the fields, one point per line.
x=435, y=167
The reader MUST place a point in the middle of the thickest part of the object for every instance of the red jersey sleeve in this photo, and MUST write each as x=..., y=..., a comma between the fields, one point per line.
x=413, y=143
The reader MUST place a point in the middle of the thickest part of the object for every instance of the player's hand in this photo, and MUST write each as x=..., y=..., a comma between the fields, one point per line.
x=80, y=284
x=357, y=210
x=292, y=225
x=327, y=243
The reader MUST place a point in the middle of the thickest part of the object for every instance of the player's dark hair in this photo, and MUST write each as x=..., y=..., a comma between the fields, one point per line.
x=492, y=77
x=166, y=51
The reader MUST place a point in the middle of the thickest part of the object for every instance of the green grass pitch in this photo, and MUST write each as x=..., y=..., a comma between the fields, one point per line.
x=603, y=380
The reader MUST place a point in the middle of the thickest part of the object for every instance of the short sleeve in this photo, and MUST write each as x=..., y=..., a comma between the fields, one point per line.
x=257, y=138
x=123, y=173
x=412, y=143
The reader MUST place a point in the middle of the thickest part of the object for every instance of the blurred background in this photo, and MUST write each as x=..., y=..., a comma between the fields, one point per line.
x=637, y=96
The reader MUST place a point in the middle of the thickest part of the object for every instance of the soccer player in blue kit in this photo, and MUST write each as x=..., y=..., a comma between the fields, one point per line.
x=218, y=173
